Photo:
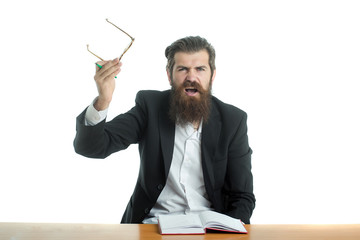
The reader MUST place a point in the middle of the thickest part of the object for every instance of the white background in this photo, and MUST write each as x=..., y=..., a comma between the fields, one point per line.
x=293, y=66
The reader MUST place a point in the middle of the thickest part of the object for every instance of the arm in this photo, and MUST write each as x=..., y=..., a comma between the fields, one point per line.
x=105, y=138
x=95, y=138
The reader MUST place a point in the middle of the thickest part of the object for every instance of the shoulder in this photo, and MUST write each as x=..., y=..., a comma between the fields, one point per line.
x=227, y=110
x=153, y=95
x=153, y=100
x=233, y=119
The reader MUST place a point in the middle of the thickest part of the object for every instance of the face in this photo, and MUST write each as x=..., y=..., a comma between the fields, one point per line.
x=193, y=71
x=191, y=87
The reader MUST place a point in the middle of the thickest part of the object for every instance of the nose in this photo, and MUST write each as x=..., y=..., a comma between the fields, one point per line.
x=191, y=76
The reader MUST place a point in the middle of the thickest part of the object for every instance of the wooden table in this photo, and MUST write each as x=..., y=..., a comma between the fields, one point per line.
x=67, y=231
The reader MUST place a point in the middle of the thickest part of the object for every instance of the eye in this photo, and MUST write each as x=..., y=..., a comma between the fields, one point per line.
x=201, y=69
x=182, y=69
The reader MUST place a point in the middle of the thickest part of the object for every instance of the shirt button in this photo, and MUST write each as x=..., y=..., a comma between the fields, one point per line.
x=160, y=187
x=146, y=211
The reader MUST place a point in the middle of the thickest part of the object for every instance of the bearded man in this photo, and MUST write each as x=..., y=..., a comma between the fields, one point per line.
x=194, y=150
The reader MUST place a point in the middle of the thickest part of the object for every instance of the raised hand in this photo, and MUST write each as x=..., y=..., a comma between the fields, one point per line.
x=105, y=82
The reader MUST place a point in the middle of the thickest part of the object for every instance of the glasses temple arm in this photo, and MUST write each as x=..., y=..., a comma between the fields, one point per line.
x=93, y=53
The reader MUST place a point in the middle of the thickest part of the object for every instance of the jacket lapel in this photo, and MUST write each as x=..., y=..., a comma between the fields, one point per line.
x=167, y=136
x=209, y=140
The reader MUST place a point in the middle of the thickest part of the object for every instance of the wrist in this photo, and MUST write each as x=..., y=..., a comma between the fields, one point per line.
x=101, y=104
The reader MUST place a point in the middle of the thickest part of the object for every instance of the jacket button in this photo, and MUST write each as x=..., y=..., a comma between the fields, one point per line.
x=146, y=211
x=160, y=187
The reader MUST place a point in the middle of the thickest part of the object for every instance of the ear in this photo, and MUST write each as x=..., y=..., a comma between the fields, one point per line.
x=213, y=77
x=168, y=75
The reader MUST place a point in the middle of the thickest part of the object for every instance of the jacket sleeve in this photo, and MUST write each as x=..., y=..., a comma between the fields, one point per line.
x=105, y=138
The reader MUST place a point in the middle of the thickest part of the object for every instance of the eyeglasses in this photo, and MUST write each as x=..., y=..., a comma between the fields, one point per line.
x=125, y=50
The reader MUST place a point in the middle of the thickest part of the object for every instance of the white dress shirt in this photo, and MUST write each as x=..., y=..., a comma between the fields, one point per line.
x=93, y=116
x=184, y=191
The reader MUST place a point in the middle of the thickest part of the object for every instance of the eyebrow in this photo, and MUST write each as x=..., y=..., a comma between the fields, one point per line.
x=181, y=66
x=202, y=66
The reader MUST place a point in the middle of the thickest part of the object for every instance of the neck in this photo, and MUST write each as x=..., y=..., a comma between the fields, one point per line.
x=196, y=125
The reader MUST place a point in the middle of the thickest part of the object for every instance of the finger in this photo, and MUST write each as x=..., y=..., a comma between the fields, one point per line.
x=111, y=74
x=117, y=72
x=110, y=69
x=99, y=70
x=107, y=70
x=99, y=65
x=109, y=64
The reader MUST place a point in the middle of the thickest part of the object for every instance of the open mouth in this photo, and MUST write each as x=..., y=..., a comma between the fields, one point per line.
x=191, y=91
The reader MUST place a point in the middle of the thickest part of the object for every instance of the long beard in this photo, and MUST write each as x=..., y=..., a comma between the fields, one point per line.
x=186, y=109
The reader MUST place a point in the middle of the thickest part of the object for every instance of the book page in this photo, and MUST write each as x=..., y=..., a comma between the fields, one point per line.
x=173, y=224
x=211, y=219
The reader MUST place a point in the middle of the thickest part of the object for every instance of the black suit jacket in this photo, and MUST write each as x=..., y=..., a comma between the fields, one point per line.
x=225, y=153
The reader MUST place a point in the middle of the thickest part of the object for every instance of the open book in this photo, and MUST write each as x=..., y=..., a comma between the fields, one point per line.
x=199, y=223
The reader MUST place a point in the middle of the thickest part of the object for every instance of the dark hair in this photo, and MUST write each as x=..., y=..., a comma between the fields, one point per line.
x=189, y=45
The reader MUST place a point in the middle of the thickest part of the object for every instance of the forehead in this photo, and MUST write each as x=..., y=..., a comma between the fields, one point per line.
x=200, y=58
